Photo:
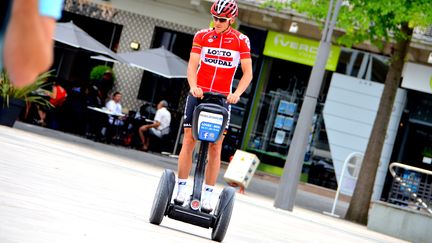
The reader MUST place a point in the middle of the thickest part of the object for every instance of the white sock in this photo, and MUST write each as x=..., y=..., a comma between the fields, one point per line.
x=182, y=186
x=207, y=192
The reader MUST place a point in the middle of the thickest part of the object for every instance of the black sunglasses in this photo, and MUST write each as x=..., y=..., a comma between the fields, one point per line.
x=221, y=20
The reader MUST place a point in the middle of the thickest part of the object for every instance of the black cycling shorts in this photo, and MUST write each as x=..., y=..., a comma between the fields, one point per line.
x=191, y=103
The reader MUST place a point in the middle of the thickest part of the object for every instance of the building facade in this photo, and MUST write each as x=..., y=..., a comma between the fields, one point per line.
x=284, y=46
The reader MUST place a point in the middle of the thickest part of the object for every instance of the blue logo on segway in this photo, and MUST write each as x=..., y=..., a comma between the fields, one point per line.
x=208, y=131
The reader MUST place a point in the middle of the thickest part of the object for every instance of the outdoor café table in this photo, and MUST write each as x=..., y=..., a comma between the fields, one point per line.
x=116, y=117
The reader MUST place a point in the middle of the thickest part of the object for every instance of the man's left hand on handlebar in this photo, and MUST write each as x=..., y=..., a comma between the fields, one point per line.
x=233, y=98
x=197, y=92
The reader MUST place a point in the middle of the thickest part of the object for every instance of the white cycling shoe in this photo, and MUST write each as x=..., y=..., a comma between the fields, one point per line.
x=206, y=206
x=180, y=199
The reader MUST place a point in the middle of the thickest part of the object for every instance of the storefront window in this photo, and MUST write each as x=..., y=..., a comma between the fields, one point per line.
x=277, y=111
x=281, y=99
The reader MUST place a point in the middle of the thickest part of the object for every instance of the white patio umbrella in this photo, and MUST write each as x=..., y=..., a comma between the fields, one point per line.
x=70, y=34
x=157, y=60
x=104, y=58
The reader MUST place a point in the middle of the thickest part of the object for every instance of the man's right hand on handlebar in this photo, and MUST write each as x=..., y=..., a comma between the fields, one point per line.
x=196, y=92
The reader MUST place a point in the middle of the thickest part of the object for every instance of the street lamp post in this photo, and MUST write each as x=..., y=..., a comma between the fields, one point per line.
x=287, y=189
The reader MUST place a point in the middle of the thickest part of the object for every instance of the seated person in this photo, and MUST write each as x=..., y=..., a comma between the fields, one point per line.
x=160, y=126
x=56, y=97
x=115, y=107
x=114, y=122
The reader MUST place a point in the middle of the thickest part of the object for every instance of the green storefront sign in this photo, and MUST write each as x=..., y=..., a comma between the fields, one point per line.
x=296, y=49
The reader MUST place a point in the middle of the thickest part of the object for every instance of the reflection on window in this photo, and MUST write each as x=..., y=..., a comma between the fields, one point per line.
x=363, y=65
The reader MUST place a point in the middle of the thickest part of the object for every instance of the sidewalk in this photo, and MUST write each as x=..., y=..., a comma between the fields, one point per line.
x=309, y=196
x=57, y=187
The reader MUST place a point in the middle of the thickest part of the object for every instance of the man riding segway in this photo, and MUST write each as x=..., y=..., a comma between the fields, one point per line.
x=215, y=55
x=214, y=58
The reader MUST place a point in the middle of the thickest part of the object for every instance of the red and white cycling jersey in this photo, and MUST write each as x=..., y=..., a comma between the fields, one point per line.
x=220, y=56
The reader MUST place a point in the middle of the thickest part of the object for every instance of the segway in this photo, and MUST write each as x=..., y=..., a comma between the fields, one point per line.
x=209, y=121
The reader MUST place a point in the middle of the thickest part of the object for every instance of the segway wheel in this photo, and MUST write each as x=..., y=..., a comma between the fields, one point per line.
x=223, y=213
x=162, y=197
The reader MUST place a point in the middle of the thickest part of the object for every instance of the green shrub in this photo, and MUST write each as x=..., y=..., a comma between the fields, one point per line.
x=98, y=71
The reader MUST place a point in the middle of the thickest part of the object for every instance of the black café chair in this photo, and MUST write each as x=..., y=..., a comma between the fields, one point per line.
x=128, y=129
x=161, y=144
x=166, y=142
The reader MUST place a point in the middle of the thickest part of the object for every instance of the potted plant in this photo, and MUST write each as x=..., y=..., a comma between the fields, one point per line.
x=102, y=77
x=13, y=99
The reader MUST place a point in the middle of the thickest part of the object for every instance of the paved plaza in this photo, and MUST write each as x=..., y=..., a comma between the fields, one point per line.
x=56, y=187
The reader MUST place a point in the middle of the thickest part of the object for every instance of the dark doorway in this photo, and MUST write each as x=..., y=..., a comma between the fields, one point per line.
x=153, y=87
x=413, y=143
x=418, y=146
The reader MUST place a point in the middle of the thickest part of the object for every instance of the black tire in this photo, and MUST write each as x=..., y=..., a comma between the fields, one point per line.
x=223, y=213
x=162, y=197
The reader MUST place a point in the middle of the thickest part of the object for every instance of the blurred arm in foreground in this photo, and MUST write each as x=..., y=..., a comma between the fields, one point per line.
x=28, y=44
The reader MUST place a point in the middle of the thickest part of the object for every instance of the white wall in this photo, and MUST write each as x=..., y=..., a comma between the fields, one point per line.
x=417, y=77
x=349, y=114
